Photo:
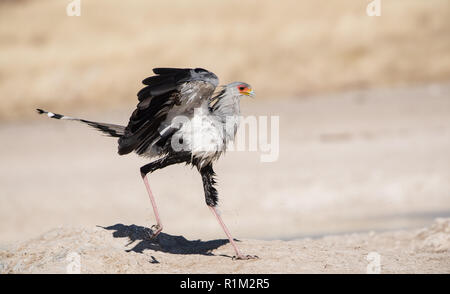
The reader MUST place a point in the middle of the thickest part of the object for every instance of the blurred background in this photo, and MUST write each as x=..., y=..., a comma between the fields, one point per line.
x=363, y=102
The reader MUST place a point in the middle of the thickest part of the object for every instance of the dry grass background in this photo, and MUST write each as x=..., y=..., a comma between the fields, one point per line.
x=283, y=48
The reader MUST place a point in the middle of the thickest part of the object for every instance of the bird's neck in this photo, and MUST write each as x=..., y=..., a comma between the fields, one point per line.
x=226, y=105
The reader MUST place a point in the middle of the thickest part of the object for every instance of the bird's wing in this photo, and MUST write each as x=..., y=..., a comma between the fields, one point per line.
x=171, y=92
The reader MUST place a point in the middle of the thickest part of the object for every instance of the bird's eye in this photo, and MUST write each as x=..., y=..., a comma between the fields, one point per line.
x=241, y=88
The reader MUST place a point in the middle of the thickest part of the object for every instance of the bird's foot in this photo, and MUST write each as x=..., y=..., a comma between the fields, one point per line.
x=245, y=257
x=155, y=230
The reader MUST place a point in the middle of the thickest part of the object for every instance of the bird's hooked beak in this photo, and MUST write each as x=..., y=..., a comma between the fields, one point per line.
x=250, y=93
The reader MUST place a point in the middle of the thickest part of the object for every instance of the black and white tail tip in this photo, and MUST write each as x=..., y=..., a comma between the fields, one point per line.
x=110, y=130
x=53, y=115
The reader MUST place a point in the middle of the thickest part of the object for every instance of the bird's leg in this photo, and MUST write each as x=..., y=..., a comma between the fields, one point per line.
x=239, y=255
x=151, y=167
x=211, y=198
x=158, y=227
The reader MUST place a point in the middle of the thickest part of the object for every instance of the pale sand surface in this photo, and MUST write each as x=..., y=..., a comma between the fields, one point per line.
x=351, y=162
x=99, y=250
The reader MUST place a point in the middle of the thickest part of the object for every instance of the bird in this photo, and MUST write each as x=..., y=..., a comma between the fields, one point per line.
x=183, y=117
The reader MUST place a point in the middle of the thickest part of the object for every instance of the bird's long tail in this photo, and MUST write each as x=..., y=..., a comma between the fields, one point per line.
x=108, y=129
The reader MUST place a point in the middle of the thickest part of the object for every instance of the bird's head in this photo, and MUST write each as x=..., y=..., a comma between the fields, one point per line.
x=240, y=88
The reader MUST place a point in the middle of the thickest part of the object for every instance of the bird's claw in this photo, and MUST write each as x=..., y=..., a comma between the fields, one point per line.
x=245, y=257
x=155, y=230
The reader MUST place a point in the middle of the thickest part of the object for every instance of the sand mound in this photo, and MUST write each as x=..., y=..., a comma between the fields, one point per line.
x=127, y=249
x=436, y=238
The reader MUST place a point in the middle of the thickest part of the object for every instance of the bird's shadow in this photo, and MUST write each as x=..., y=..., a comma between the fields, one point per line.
x=139, y=239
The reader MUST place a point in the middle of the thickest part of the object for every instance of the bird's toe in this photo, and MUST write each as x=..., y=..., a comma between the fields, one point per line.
x=155, y=230
x=245, y=257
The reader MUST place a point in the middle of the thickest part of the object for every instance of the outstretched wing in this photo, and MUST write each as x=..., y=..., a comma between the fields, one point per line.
x=171, y=92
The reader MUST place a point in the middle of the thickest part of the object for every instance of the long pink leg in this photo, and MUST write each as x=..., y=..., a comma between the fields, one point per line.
x=224, y=227
x=159, y=226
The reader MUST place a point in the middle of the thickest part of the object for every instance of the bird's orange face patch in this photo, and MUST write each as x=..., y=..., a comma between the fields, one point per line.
x=243, y=89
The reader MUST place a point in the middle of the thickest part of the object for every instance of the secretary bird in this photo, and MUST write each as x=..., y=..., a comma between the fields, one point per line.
x=180, y=118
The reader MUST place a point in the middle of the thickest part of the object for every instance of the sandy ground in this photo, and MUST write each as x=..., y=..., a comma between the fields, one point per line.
x=358, y=161
x=127, y=249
